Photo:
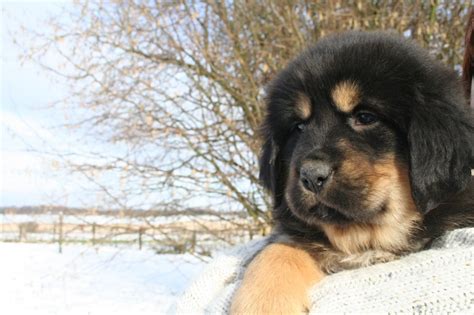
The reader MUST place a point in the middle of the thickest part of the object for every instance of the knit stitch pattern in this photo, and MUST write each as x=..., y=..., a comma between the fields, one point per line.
x=437, y=280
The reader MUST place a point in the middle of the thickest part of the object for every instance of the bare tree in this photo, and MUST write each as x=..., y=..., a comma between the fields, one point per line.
x=177, y=86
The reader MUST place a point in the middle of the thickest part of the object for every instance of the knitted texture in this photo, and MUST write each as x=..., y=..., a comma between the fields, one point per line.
x=438, y=280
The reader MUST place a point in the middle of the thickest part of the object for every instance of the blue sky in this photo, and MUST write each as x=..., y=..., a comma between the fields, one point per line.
x=28, y=123
x=31, y=129
x=31, y=133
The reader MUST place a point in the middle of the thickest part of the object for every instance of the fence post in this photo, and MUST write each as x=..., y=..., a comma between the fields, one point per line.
x=93, y=233
x=140, y=240
x=54, y=231
x=20, y=232
x=193, y=243
x=60, y=239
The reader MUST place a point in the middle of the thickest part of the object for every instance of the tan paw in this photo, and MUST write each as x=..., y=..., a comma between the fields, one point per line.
x=273, y=302
x=277, y=281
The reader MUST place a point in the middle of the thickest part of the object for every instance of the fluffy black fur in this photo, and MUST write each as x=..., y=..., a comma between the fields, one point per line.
x=422, y=119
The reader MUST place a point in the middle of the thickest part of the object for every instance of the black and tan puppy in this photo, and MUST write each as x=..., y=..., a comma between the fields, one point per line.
x=368, y=148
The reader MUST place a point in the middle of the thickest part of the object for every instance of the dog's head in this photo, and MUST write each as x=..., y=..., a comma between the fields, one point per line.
x=362, y=124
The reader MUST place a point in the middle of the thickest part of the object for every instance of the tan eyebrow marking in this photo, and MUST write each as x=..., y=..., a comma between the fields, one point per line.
x=346, y=95
x=303, y=106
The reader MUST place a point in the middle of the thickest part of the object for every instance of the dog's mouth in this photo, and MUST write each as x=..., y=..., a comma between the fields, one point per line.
x=335, y=206
x=328, y=214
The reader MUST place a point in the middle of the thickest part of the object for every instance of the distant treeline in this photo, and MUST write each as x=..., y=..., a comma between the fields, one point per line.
x=36, y=210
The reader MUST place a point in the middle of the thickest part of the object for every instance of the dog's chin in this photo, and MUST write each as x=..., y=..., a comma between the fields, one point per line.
x=329, y=215
x=323, y=210
x=323, y=213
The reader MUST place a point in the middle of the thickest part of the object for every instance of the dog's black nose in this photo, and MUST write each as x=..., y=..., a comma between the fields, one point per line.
x=315, y=174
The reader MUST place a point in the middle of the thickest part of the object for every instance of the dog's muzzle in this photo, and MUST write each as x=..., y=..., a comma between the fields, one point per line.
x=315, y=174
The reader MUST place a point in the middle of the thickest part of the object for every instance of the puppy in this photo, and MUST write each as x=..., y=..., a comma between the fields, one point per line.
x=368, y=149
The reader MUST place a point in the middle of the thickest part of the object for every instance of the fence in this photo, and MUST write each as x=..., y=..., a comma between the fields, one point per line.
x=175, y=234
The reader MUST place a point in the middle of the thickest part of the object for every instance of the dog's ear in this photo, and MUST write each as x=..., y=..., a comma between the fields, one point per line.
x=267, y=164
x=270, y=166
x=440, y=138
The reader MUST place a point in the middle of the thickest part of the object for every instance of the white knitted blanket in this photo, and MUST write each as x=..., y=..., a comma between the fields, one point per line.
x=438, y=280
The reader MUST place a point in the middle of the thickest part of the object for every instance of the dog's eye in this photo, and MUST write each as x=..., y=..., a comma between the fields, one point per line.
x=301, y=127
x=365, y=118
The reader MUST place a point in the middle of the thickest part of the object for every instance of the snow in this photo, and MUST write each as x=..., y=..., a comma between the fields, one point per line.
x=36, y=279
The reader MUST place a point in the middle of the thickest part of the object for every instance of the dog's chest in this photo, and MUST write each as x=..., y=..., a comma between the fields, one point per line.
x=362, y=245
x=393, y=232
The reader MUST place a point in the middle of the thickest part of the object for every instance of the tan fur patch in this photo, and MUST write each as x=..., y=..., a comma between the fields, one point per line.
x=277, y=282
x=387, y=184
x=346, y=95
x=303, y=106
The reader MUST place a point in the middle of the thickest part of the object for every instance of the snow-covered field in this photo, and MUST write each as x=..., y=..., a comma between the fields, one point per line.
x=36, y=279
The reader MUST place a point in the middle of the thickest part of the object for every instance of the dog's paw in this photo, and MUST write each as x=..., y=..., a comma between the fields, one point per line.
x=277, y=282
x=271, y=302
